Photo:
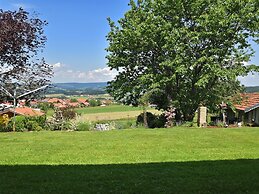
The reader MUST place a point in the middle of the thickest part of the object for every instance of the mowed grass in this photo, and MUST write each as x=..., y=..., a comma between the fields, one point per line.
x=108, y=109
x=177, y=160
x=112, y=112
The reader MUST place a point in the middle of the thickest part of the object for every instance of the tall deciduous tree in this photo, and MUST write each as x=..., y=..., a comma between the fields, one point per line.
x=21, y=40
x=188, y=52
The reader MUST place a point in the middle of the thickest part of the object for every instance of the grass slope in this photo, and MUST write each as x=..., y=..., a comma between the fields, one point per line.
x=108, y=109
x=178, y=160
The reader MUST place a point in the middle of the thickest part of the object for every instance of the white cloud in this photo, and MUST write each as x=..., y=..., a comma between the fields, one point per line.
x=250, y=80
x=57, y=65
x=62, y=73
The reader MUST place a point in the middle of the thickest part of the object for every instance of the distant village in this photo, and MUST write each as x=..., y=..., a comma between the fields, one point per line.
x=33, y=107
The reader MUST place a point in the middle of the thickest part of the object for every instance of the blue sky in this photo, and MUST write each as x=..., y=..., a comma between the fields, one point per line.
x=76, y=36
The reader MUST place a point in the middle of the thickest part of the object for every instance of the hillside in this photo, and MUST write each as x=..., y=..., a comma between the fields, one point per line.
x=78, y=88
x=252, y=89
x=98, y=88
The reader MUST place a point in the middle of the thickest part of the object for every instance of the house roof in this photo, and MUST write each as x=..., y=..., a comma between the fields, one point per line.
x=249, y=101
x=73, y=104
x=55, y=100
x=82, y=100
x=25, y=111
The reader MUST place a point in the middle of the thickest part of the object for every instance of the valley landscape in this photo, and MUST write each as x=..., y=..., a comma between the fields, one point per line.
x=129, y=96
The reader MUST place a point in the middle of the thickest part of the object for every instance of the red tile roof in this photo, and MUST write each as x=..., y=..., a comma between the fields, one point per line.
x=83, y=101
x=73, y=104
x=249, y=100
x=25, y=111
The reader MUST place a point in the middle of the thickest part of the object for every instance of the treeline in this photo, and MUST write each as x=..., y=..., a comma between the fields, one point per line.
x=87, y=91
x=252, y=89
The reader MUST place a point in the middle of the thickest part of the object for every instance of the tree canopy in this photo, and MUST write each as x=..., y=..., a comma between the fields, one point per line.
x=187, y=52
x=21, y=40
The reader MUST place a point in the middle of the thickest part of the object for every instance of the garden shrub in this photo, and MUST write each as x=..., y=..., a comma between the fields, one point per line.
x=23, y=123
x=83, y=126
x=154, y=121
x=188, y=124
x=68, y=113
x=4, y=120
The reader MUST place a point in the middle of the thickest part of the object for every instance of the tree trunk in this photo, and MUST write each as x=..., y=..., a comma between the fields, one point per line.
x=145, y=116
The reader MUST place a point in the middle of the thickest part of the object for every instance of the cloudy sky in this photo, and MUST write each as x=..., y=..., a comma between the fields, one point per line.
x=76, y=36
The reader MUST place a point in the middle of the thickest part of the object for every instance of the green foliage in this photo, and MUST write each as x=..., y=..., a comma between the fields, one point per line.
x=45, y=106
x=154, y=121
x=220, y=124
x=23, y=123
x=123, y=124
x=188, y=124
x=61, y=119
x=68, y=113
x=186, y=53
x=73, y=100
x=94, y=102
x=84, y=126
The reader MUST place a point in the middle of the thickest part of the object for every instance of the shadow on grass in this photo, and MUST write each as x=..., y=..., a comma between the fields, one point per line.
x=228, y=176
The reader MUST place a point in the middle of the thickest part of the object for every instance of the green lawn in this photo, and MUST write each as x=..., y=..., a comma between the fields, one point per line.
x=108, y=109
x=111, y=112
x=178, y=160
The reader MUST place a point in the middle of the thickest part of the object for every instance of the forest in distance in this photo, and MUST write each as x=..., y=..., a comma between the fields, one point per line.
x=98, y=88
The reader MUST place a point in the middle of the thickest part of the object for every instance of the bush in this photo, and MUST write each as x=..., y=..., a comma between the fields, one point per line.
x=32, y=125
x=19, y=124
x=123, y=124
x=4, y=128
x=45, y=106
x=68, y=113
x=188, y=124
x=154, y=121
x=94, y=102
x=23, y=123
x=84, y=126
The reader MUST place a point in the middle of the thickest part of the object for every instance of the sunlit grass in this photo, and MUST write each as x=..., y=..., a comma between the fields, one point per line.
x=177, y=160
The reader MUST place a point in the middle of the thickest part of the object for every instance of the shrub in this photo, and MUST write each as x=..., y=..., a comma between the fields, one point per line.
x=188, y=124
x=45, y=106
x=94, y=102
x=4, y=128
x=23, y=123
x=68, y=113
x=123, y=124
x=220, y=124
x=32, y=125
x=73, y=100
x=4, y=120
x=154, y=121
x=19, y=124
x=83, y=126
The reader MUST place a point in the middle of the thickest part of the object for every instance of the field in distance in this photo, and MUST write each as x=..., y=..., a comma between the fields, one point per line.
x=111, y=112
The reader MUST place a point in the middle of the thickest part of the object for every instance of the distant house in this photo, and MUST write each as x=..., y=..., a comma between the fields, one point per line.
x=73, y=104
x=83, y=102
x=247, y=110
x=56, y=100
x=24, y=111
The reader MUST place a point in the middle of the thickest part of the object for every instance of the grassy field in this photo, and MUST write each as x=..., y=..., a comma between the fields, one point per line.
x=178, y=160
x=112, y=112
x=108, y=109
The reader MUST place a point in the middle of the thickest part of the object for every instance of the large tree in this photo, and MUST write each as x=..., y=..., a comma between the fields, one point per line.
x=187, y=52
x=21, y=41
